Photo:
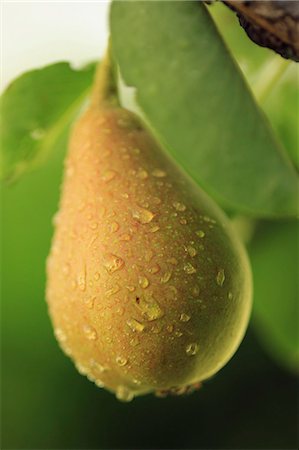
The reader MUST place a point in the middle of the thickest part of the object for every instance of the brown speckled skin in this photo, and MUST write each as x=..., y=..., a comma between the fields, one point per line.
x=112, y=203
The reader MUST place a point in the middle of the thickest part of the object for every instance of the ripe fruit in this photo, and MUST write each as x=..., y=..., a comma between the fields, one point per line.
x=148, y=287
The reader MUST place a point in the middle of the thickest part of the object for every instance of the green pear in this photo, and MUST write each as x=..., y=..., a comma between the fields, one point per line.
x=149, y=288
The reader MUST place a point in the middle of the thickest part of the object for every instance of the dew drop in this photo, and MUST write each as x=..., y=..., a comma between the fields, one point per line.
x=184, y=317
x=149, y=254
x=208, y=219
x=154, y=229
x=89, y=302
x=66, y=348
x=108, y=175
x=99, y=383
x=172, y=261
x=200, y=233
x=113, y=263
x=120, y=310
x=90, y=332
x=134, y=341
x=230, y=295
x=143, y=282
x=156, y=328
x=195, y=291
x=82, y=280
x=192, y=349
x=169, y=328
x=97, y=366
x=83, y=370
x=124, y=394
x=192, y=252
x=143, y=215
x=158, y=173
x=173, y=290
x=112, y=291
x=114, y=227
x=60, y=335
x=165, y=277
x=124, y=122
x=125, y=237
x=135, y=325
x=178, y=333
x=157, y=200
x=220, y=277
x=189, y=269
x=121, y=361
x=154, y=269
x=97, y=276
x=149, y=308
x=93, y=225
x=56, y=219
x=142, y=174
x=131, y=288
x=179, y=206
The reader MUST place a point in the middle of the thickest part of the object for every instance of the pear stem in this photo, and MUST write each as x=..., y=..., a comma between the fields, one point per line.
x=104, y=90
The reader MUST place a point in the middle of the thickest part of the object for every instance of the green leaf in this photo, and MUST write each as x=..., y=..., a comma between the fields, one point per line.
x=36, y=109
x=198, y=105
x=274, y=258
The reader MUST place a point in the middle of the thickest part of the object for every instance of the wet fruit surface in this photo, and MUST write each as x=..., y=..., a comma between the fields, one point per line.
x=148, y=288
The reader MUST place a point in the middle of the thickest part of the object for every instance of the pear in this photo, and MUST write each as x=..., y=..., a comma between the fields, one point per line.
x=149, y=288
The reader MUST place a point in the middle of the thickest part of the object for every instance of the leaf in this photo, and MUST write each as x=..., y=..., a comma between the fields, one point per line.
x=274, y=258
x=198, y=105
x=36, y=109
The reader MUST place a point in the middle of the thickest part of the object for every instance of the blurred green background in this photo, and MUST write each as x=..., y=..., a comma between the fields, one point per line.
x=251, y=403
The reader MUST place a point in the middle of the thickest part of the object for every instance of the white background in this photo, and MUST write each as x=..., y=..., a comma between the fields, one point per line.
x=37, y=33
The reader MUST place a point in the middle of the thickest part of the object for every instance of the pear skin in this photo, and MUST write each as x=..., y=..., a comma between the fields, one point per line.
x=149, y=289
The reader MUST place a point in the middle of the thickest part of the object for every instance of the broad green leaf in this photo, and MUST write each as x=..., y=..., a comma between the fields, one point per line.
x=36, y=109
x=274, y=258
x=198, y=105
